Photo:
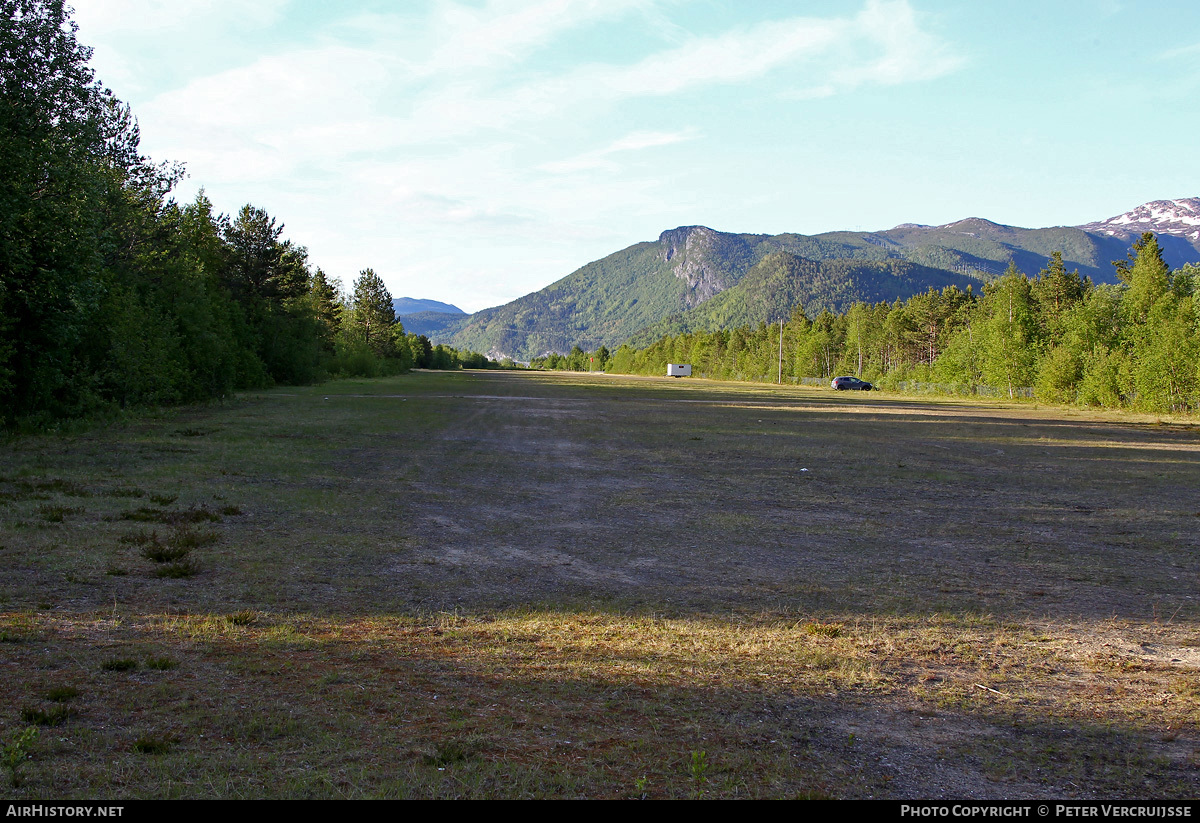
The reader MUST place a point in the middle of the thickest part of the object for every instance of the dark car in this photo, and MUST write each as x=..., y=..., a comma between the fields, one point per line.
x=850, y=383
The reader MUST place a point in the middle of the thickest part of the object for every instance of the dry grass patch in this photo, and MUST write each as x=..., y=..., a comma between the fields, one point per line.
x=604, y=705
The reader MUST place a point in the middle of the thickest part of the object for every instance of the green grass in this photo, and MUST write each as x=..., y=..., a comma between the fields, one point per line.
x=530, y=585
x=151, y=744
x=192, y=538
x=52, y=716
x=176, y=569
x=160, y=553
x=56, y=514
x=124, y=491
x=61, y=694
x=148, y=514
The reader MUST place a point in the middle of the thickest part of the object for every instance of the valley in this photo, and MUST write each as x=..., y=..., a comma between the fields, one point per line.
x=692, y=275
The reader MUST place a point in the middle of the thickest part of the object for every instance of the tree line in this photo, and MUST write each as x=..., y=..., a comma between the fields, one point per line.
x=1133, y=344
x=112, y=294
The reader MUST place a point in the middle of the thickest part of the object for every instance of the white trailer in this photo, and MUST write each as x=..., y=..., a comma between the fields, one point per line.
x=679, y=370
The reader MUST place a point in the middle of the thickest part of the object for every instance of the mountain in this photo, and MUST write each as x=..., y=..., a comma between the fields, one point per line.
x=670, y=283
x=433, y=324
x=983, y=249
x=410, y=305
x=1176, y=222
x=782, y=280
x=607, y=301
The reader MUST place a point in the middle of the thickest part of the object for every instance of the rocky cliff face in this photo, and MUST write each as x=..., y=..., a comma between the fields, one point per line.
x=708, y=261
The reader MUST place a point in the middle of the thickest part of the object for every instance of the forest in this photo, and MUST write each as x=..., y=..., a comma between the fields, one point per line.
x=1056, y=336
x=114, y=295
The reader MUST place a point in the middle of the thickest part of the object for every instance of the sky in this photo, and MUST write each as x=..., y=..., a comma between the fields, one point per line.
x=473, y=152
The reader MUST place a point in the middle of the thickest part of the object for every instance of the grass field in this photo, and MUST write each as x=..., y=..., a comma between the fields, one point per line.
x=543, y=585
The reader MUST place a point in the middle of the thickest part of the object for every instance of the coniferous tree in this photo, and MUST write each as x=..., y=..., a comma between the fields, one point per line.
x=1146, y=276
x=1010, y=333
x=1057, y=291
x=255, y=255
x=70, y=176
x=374, y=316
x=325, y=307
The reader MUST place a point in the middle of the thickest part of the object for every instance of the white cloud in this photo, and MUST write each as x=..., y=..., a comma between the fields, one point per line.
x=142, y=46
x=103, y=17
x=1182, y=51
x=309, y=87
x=599, y=159
x=417, y=144
x=502, y=31
x=881, y=45
x=277, y=116
x=339, y=99
x=733, y=57
x=648, y=140
x=455, y=39
x=908, y=53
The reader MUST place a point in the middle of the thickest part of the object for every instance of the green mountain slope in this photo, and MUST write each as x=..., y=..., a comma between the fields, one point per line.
x=977, y=245
x=782, y=281
x=433, y=324
x=653, y=286
x=608, y=300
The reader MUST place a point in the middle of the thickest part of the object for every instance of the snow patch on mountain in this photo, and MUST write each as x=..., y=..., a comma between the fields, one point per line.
x=1175, y=217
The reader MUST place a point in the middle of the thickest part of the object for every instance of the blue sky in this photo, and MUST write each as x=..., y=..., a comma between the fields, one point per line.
x=472, y=152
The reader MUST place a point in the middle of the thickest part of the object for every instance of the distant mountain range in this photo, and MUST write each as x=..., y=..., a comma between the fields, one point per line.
x=695, y=277
x=428, y=317
x=411, y=305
